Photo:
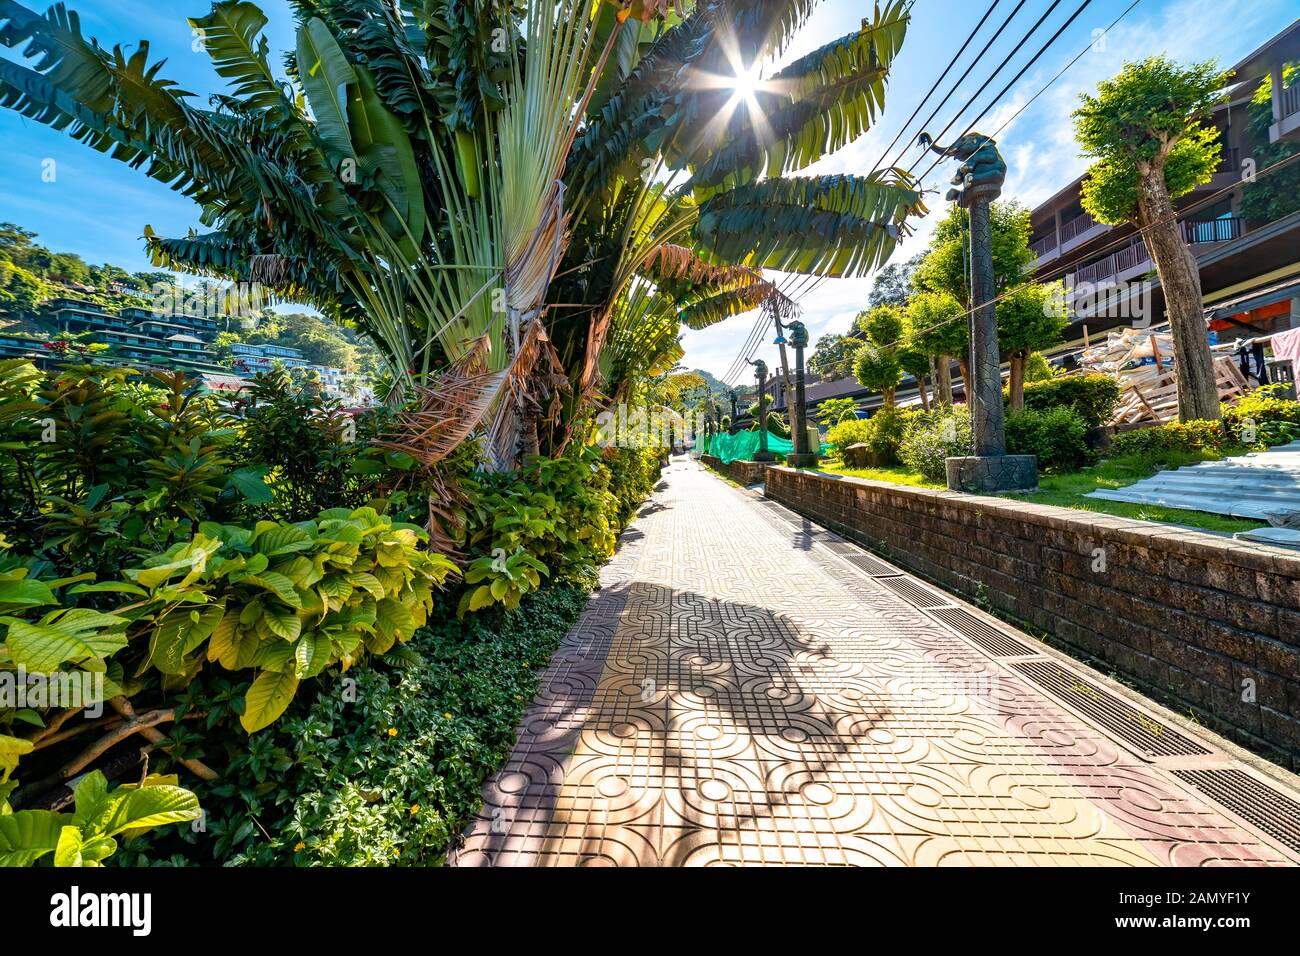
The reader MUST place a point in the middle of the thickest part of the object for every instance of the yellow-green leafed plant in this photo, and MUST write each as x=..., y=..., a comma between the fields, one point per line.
x=86, y=836
x=284, y=600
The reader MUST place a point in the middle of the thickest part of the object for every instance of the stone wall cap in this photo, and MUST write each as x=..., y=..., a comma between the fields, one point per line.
x=1193, y=542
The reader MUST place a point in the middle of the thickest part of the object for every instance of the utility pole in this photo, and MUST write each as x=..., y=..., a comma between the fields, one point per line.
x=802, y=456
x=989, y=468
x=760, y=373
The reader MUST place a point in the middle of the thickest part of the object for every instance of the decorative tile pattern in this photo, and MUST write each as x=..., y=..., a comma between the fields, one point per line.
x=741, y=692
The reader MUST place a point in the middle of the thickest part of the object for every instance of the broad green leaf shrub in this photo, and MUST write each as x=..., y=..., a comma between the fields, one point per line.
x=633, y=474
x=1263, y=418
x=556, y=518
x=284, y=600
x=1175, y=440
x=888, y=428
x=278, y=602
x=86, y=837
x=851, y=431
x=1056, y=437
x=1091, y=396
x=387, y=771
x=305, y=444
x=882, y=433
x=934, y=437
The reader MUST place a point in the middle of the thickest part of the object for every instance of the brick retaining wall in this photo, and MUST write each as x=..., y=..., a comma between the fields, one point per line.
x=1193, y=617
x=741, y=472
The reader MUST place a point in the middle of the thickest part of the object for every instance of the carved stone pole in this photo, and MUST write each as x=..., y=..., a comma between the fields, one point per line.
x=989, y=468
x=760, y=372
x=802, y=456
x=734, y=413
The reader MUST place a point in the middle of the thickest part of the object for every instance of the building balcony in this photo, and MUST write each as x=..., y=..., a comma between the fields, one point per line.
x=1045, y=248
x=1127, y=262
x=1286, y=112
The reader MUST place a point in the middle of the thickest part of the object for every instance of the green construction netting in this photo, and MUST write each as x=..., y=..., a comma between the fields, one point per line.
x=742, y=446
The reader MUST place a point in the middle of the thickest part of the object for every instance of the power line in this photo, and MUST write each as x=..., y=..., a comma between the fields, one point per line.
x=921, y=105
x=1001, y=66
x=1016, y=79
x=1052, y=82
x=817, y=280
x=935, y=112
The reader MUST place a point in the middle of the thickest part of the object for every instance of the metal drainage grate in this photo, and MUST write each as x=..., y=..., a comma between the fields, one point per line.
x=909, y=589
x=1116, y=715
x=1254, y=801
x=992, y=639
x=869, y=565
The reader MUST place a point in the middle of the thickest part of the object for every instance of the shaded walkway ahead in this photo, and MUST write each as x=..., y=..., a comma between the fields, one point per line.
x=748, y=688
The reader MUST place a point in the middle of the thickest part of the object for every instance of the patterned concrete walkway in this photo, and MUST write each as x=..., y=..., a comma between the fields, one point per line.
x=750, y=689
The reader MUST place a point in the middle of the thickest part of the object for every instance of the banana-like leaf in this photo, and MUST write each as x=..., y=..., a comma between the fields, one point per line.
x=823, y=225
x=384, y=149
x=231, y=34
x=326, y=76
x=813, y=107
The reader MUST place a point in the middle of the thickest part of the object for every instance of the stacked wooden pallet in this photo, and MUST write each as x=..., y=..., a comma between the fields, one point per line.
x=1149, y=393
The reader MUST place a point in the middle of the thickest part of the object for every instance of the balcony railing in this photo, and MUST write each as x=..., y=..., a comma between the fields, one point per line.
x=1137, y=254
x=1043, y=246
x=1212, y=230
x=1290, y=101
x=1076, y=227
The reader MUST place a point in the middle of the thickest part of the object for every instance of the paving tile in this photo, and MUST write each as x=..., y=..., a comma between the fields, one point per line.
x=740, y=693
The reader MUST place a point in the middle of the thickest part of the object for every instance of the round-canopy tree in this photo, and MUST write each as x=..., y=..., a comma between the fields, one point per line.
x=1030, y=317
x=1147, y=130
x=937, y=328
x=833, y=356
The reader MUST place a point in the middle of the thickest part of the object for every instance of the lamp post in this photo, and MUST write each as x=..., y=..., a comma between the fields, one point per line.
x=990, y=469
x=760, y=372
x=803, y=456
x=735, y=414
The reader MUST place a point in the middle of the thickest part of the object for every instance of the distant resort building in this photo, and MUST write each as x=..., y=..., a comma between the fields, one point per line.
x=137, y=336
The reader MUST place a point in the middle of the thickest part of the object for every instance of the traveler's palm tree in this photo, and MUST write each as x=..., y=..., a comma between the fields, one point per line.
x=486, y=186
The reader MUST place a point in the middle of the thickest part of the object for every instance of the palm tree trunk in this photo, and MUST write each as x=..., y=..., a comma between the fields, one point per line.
x=1017, y=382
x=1198, y=396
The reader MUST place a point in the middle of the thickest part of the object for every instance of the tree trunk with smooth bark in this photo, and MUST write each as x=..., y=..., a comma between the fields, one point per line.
x=943, y=381
x=1198, y=396
x=1016, y=383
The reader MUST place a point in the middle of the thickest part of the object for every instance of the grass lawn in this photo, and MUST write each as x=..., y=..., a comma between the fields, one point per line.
x=895, y=475
x=1067, y=491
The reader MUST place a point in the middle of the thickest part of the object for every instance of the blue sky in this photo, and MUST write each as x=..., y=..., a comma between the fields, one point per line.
x=98, y=208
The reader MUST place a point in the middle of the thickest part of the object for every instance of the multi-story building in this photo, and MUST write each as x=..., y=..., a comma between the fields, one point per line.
x=251, y=359
x=1250, y=270
x=175, y=340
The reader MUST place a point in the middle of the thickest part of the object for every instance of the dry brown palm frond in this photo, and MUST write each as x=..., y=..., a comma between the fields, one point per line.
x=524, y=384
x=443, y=415
x=670, y=261
x=270, y=269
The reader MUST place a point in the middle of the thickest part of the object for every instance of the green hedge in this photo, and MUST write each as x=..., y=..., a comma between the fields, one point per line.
x=1177, y=439
x=1055, y=436
x=1093, y=397
x=1263, y=418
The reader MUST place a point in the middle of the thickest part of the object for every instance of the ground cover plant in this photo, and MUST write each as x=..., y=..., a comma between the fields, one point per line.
x=200, y=571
